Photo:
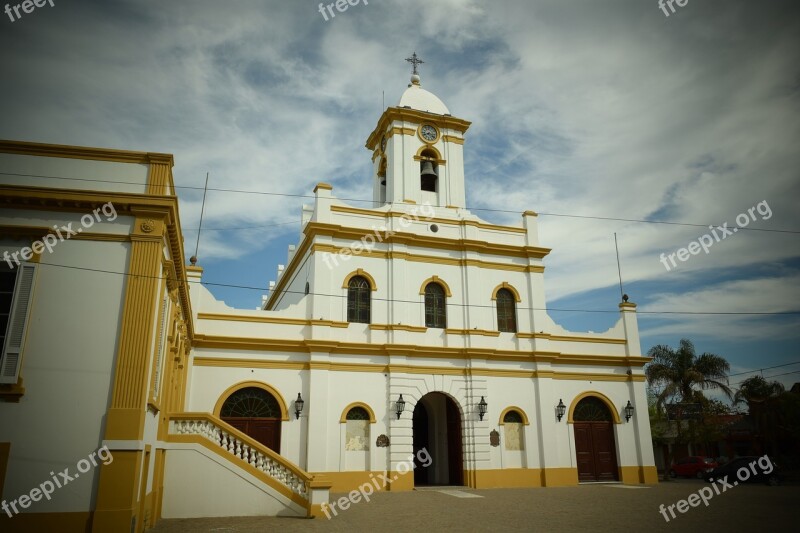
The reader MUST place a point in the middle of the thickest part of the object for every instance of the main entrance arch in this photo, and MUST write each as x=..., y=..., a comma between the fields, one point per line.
x=594, y=440
x=256, y=413
x=437, y=429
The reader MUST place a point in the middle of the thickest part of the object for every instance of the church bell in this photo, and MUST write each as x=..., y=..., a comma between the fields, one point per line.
x=427, y=170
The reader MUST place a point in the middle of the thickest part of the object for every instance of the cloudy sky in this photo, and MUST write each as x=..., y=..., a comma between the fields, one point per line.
x=582, y=110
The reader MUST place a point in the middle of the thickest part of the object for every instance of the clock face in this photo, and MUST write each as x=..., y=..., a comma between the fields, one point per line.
x=428, y=133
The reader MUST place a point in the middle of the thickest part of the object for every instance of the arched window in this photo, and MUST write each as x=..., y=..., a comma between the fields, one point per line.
x=358, y=300
x=592, y=409
x=251, y=402
x=357, y=430
x=506, y=311
x=255, y=412
x=435, y=312
x=357, y=413
x=512, y=427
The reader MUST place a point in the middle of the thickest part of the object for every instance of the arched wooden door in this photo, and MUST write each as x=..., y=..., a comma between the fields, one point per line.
x=256, y=413
x=594, y=441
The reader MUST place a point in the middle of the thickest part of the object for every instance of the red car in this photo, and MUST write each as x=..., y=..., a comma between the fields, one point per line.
x=693, y=466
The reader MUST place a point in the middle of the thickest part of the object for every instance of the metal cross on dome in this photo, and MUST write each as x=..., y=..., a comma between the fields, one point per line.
x=414, y=60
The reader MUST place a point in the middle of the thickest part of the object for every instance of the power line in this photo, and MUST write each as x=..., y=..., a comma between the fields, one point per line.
x=391, y=300
x=289, y=195
x=769, y=377
x=762, y=369
x=244, y=227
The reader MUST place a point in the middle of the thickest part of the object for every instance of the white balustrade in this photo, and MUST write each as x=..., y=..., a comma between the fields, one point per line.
x=247, y=453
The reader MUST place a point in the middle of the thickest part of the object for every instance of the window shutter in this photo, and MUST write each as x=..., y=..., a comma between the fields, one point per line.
x=18, y=320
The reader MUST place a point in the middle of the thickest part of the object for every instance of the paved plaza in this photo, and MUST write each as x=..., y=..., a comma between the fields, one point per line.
x=599, y=507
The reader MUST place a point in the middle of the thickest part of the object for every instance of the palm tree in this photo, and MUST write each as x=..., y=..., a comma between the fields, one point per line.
x=679, y=372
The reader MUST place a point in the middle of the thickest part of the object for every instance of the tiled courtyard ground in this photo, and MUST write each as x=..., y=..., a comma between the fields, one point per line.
x=584, y=508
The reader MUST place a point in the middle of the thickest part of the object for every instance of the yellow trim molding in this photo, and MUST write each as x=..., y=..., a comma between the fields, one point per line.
x=12, y=393
x=397, y=327
x=436, y=279
x=484, y=332
x=257, y=384
x=82, y=152
x=323, y=186
x=513, y=408
x=509, y=287
x=452, y=139
x=504, y=478
x=363, y=274
x=341, y=482
x=366, y=407
x=600, y=396
x=417, y=350
x=223, y=362
x=429, y=259
x=271, y=320
x=453, y=222
x=401, y=114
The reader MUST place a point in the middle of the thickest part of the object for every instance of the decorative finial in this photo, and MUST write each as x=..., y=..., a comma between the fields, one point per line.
x=193, y=260
x=625, y=298
x=415, y=61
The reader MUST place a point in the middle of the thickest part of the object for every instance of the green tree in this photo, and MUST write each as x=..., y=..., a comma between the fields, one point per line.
x=678, y=374
x=762, y=400
x=756, y=389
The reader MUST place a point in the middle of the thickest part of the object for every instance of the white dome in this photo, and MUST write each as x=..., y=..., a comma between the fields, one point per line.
x=418, y=98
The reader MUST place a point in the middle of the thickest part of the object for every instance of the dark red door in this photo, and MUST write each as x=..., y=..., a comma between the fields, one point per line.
x=604, y=451
x=584, y=451
x=264, y=430
x=595, y=451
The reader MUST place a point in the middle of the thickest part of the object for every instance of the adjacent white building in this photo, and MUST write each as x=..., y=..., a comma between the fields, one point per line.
x=409, y=329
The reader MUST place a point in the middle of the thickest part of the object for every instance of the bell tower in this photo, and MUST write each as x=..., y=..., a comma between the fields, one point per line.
x=418, y=150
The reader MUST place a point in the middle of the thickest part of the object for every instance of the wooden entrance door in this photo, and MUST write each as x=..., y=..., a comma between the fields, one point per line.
x=595, y=451
x=257, y=414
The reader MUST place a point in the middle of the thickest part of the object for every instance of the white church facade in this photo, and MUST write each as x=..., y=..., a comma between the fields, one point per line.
x=410, y=326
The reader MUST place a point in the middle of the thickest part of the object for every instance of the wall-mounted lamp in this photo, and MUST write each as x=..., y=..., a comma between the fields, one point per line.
x=628, y=412
x=482, y=405
x=560, y=409
x=399, y=406
x=298, y=406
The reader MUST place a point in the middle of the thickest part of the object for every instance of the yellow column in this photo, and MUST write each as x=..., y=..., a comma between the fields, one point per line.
x=117, y=497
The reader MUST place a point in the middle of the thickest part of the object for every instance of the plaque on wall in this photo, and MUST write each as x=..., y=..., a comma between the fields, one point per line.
x=494, y=438
x=382, y=442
